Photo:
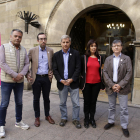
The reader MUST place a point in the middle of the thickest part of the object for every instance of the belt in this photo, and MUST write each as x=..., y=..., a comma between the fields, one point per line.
x=44, y=75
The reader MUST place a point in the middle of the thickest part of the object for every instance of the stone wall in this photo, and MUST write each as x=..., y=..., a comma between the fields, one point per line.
x=9, y=19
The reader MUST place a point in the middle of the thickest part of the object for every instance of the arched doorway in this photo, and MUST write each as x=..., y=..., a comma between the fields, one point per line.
x=103, y=23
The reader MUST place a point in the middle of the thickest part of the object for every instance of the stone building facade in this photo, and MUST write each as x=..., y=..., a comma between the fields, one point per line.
x=57, y=17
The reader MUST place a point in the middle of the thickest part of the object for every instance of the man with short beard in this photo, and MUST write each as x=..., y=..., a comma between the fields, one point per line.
x=40, y=77
x=14, y=64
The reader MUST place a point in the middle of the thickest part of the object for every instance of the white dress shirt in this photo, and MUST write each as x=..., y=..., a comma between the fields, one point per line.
x=115, y=67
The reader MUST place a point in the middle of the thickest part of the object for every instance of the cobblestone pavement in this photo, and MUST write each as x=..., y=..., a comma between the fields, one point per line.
x=47, y=131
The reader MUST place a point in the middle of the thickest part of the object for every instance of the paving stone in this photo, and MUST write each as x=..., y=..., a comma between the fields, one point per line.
x=47, y=131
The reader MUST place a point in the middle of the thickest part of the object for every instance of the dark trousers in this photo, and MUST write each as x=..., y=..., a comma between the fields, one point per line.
x=44, y=84
x=90, y=94
x=6, y=89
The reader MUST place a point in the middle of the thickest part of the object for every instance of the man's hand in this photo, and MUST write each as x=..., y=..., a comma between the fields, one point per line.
x=18, y=78
x=50, y=74
x=69, y=81
x=63, y=82
x=29, y=78
x=116, y=88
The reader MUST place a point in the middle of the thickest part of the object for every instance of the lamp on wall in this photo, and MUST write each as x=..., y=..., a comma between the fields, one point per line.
x=28, y=17
x=116, y=26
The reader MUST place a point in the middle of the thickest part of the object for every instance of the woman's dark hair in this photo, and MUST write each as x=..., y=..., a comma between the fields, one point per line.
x=88, y=53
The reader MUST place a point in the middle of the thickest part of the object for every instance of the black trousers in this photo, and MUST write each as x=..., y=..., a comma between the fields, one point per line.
x=44, y=84
x=90, y=94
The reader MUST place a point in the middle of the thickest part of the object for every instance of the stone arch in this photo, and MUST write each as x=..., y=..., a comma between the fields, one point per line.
x=65, y=12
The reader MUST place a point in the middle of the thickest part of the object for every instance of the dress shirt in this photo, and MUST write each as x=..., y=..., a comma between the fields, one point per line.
x=7, y=69
x=115, y=67
x=42, y=62
x=66, y=58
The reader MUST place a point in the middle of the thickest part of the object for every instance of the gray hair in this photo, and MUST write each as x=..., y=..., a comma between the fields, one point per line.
x=65, y=36
x=17, y=31
x=117, y=41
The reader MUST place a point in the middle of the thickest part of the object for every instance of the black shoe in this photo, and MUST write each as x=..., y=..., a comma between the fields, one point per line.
x=125, y=132
x=63, y=122
x=93, y=124
x=86, y=124
x=77, y=124
x=108, y=126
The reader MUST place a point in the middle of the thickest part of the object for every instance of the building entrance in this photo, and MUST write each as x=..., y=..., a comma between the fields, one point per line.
x=103, y=23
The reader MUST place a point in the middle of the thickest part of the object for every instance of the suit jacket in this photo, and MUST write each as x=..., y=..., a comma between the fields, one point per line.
x=124, y=74
x=74, y=66
x=84, y=69
x=33, y=58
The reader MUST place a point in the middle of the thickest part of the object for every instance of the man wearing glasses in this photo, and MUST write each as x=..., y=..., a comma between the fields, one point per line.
x=40, y=76
x=117, y=74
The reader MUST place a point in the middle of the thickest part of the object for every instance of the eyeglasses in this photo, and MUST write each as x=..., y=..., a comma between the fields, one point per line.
x=43, y=39
x=116, y=46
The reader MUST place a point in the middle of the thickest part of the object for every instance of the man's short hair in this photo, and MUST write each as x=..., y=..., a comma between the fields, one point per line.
x=17, y=31
x=65, y=36
x=40, y=34
x=117, y=41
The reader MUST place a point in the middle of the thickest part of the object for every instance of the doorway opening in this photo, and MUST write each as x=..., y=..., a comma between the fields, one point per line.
x=103, y=23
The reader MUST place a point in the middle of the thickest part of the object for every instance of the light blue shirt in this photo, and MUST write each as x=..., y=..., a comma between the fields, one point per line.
x=66, y=58
x=42, y=62
x=115, y=67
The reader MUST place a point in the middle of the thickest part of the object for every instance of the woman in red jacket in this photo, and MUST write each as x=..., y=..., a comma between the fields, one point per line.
x=90, y=81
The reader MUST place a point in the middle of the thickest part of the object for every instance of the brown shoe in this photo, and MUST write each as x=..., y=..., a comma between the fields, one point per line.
x=50, y=120
x=37, y=122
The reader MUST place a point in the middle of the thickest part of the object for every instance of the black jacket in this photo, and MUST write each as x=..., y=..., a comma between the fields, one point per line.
x=74, y=68
x=84, y=60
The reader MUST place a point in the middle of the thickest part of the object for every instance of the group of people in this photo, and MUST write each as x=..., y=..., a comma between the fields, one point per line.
x=66, y=65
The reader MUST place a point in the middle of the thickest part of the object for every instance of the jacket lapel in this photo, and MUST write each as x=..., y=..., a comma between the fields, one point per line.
x=48, y=55
x=111, y=63
x=70, y=55
x=122, y=58
x=37, y=54
x=61, y=58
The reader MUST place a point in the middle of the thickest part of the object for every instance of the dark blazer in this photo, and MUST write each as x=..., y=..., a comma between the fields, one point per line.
x=124, y=74
x=84, y=69
x=74, y=67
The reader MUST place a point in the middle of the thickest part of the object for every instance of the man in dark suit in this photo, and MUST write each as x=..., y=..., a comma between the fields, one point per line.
x=66, y=68
x=117, y=73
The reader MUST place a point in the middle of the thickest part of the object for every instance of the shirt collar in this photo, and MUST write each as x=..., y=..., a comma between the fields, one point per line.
x=41, y=49
x=117, y=56
x=67, y=51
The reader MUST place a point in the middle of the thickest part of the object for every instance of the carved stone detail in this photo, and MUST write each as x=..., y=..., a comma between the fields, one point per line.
x=52, y=14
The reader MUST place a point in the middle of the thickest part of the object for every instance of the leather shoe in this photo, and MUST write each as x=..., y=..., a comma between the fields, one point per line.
x=86, y=124
x=125, y=132
x=108, y=126
x=37, y=122
x=93, y=124
x=77, y=124
x=63, y=122
x=50, y=120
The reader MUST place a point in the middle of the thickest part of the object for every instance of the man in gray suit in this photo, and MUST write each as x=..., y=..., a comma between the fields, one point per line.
x=117, y=74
